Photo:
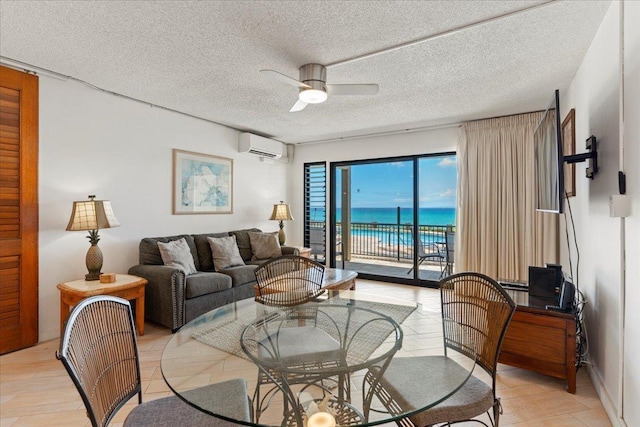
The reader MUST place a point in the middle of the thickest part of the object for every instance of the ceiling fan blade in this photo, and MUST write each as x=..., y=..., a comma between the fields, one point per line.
x=298, y=106
x=364, y=89
x=284, y=79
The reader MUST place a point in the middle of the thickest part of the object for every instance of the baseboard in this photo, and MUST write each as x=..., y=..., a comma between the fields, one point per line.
x=49, y=334
x=609, y=405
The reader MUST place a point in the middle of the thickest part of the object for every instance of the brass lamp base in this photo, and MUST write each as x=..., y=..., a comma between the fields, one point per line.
x=92, y=276
x=94, y=262
x=281, y=236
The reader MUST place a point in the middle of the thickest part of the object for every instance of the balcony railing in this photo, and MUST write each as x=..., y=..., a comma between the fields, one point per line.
x=380, y=241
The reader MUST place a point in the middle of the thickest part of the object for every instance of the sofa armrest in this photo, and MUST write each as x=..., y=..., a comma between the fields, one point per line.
x=164, y=294
x=290, y=250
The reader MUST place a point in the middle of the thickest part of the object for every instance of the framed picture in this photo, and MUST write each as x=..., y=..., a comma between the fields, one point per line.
x=202, y=184
x=568, y=148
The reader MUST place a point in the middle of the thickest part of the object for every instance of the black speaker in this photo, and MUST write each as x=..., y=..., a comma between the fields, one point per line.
x=567, y=296
x=559, y=275
x=542, y=286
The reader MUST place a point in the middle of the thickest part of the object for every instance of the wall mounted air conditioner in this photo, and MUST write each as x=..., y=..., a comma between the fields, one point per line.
x=259, y=146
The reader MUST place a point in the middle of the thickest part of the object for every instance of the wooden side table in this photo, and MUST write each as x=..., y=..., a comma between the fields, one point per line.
x=126, y=286
x=336, y=279
x=304, y=252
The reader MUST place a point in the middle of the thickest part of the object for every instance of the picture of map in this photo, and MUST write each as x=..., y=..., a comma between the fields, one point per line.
x=202, y=183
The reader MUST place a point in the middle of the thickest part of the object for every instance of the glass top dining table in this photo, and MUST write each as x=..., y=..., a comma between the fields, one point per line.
x=307, y=359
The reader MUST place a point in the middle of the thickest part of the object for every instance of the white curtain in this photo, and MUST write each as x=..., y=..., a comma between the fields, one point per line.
x=500, y=234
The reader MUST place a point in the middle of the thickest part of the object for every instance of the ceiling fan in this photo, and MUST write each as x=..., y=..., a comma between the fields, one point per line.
x=314, y=88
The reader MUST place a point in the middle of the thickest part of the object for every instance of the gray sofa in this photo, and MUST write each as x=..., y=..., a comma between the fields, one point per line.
x=173, y=298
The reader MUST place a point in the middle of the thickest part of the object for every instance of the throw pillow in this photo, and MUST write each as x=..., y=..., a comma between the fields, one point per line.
x=225, y=252
x=177, y=254
x=265, y=245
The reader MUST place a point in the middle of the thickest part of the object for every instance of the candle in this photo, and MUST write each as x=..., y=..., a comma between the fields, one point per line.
x=321, y=419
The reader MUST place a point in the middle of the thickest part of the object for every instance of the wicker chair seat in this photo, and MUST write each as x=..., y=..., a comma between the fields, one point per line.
x=173, y=411
x=473, y=398
x=292, y=346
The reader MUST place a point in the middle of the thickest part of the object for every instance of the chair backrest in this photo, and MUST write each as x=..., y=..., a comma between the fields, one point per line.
x=289, y=280
x=450, y=240
x=483, y=309
x=419, y=245
x=99, y=351
x=317, y=240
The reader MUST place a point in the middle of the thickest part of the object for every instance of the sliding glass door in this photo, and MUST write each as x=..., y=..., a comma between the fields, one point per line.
x=437, y=216
x=373, y=217
x=389, y=217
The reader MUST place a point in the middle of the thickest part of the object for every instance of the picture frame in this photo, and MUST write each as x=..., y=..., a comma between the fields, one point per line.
x=202, y=183
x=569, y=148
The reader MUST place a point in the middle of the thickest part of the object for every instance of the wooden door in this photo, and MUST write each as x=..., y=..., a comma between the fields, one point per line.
x=18, y=210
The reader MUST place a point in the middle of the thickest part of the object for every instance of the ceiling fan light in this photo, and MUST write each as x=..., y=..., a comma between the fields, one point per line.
x=312, y=96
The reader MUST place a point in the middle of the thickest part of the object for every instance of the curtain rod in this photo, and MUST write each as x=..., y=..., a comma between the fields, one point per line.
x=506, y=115
x=420, y=129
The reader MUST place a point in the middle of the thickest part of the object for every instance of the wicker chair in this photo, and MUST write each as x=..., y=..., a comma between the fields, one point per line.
x=99, y=351
x=482, y=308
x=289, y=280
x=284, y=285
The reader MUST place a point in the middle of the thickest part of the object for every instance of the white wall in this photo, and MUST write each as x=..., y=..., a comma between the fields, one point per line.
x=631, y=384
x=121, y=150
x=402, y=144
x=595, y=94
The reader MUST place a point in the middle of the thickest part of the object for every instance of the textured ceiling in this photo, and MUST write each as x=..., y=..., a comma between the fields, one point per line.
x=203, y=57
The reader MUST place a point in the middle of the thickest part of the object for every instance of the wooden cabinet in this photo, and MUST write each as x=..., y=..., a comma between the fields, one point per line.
x=304, y=252
x=543, y=341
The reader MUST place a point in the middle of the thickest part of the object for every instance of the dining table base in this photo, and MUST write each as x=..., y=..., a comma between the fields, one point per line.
x=343, y=413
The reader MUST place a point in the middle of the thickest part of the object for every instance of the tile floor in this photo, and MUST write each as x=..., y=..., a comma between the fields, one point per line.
x=36, y=391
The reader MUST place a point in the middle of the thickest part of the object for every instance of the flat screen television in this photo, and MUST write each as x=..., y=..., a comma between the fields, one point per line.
x=549, y=160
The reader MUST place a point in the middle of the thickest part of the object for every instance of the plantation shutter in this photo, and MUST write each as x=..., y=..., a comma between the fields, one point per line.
x=315, y=209
x=18, y=210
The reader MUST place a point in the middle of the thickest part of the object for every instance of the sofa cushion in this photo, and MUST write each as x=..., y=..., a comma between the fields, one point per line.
x=264, y=245
x=241, y=274
x=150, y=254
x=225, y=252
x=203, y=283
x=204, y=250
x=256, y=262
x=244, y=244
x=177, y=254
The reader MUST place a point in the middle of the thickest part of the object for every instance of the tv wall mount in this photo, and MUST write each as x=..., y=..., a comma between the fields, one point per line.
x=591, y=156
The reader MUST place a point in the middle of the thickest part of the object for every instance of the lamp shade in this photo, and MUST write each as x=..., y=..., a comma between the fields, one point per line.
x=281, y=212
x=92, y=215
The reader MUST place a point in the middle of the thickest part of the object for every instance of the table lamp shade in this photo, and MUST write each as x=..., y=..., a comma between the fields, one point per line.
x=92, y=215
x=281, y=212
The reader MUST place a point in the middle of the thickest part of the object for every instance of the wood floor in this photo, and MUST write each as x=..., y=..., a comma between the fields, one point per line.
x=36, y=391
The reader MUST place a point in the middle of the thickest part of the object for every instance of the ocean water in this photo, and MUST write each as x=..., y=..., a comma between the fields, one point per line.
x=427, y=216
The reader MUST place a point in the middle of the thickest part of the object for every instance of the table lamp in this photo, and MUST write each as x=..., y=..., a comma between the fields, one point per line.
x=92, y=215
x=281, y=213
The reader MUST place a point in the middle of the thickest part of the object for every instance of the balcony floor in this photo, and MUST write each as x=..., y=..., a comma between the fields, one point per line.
x=391, y=268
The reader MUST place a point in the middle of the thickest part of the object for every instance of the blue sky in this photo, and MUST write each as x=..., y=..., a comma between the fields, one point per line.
x=386, y=185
